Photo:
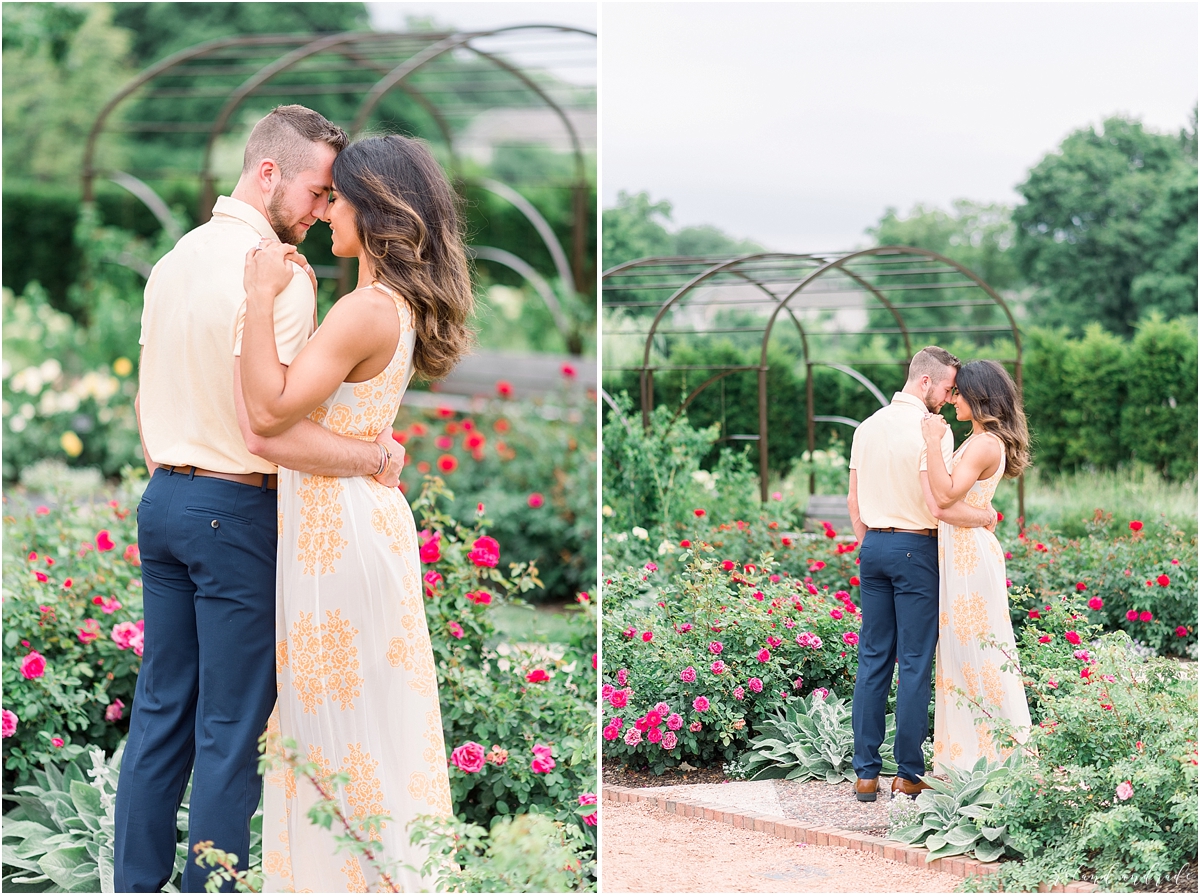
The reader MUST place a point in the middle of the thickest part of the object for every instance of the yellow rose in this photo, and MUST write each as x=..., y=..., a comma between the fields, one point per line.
x=71, y=444
x=122, y=366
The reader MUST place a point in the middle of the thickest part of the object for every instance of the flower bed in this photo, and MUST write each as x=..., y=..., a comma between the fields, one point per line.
x=73, y=646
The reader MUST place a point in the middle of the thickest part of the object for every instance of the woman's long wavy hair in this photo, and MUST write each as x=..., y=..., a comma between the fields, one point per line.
x=407, y=217
x=992, y=396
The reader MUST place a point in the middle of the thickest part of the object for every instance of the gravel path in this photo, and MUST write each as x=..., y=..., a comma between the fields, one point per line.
x=648, y=850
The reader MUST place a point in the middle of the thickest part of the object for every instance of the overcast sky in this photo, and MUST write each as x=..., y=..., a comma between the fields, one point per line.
x=797, y=124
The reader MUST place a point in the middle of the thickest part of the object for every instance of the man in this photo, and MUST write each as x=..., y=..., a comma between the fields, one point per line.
x=898, y=570
x=207, y=524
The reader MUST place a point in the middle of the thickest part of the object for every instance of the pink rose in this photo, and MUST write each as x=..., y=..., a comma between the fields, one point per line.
x=1132, y=615
x=764, y=655
x=647, y=636
x=1146, y=616
x=669, y=741
x=653, y=735
x=688, y=675
x=104, y=542
x=57, y=742
x=90, y=630
x=715, y=647
x=739, y=693
x=622, y=676
x=470, y=758
x=700, y=703
x=755, y=684
x=607, y=691
x=619, y=699
x=1095, y=603
x=835, y=614
x=1181, y=631
x=610, y=732
x=485, y=552
x=8, y=723
x=674, y=721
x=695, y=726
x=537, y=676
x=115, y=711
x=663, y=709
x=431, y=550
x=850, y=638
x=33, y=665
x=821, y=693
x=717, y=667
x=456, y=630
x=479, y=597
x=1124, y=790
x=536, y=500
x=633, y=737
x=651, y=567
x=1073, y=638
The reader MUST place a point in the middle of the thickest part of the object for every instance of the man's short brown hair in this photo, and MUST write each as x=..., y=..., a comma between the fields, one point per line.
x=288, y=135
x=932, y=362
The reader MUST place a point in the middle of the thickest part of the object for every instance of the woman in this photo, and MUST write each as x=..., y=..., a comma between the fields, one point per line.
x=357, y=686
x=976, y=680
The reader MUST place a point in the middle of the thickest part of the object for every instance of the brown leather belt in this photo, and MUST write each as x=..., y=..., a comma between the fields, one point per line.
x=242, y=478
x=924, y=532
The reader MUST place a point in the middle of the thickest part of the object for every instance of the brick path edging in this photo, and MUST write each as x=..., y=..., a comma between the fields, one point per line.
x=784, y=828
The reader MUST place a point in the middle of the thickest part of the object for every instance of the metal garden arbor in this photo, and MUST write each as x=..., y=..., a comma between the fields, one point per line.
x=907, y=297
x=441, y=85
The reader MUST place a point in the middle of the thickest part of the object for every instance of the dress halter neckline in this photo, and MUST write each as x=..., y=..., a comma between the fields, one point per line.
x=386, y=290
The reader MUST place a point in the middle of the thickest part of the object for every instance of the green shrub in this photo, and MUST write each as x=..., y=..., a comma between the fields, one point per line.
x=1108, y=780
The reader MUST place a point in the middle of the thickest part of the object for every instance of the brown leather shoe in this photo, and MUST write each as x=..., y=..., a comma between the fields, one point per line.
x=900, y=786
x=866, y=790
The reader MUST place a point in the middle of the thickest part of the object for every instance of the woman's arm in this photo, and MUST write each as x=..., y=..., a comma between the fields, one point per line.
x=958, y=513
x=355, y=332
x=948, y=488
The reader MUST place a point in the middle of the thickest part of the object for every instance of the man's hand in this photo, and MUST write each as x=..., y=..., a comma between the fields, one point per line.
x=390, y=477
x=995, y=519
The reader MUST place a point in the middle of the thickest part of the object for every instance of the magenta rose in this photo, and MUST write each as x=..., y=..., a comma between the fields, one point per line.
x=542, y=762
x=33, y=665
x=469, y=757
x=8, y=723
x=485, y=552
x=700, y=703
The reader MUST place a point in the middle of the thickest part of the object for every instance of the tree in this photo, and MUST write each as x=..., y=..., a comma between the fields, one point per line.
x=61, y=63
x=1108, y=228
x=976, y=235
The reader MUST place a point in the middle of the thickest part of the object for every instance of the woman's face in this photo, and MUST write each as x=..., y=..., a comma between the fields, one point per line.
x=340, y=217
x=962, y=410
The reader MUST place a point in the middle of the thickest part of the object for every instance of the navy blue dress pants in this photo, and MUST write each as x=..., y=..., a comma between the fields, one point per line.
x=898, y=590
x=207, y=684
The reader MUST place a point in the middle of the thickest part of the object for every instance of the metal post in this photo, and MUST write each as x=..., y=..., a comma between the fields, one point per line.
x=762, y=432
x=812, y=432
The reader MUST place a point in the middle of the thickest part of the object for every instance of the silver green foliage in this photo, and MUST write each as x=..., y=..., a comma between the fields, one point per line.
x=810, y=739
x=952, y=817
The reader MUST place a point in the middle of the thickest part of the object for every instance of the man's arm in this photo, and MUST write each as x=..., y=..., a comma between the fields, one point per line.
x=860, y=529
x=311, y=448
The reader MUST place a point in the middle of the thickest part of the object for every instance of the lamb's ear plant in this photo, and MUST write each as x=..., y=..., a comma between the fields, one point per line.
x=810, y=739
x=951, y=818
x=59, y=837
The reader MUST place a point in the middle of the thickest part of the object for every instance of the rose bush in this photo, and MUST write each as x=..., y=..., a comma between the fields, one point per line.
x=72, y=612
x=1139, y=577
x=536, y=477
x=731, y=638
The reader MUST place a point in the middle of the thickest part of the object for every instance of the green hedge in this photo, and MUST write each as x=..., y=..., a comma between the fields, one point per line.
x=1095, y=402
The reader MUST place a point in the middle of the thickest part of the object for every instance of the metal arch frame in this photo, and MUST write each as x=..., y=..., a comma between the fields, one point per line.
x=830, y=263
x=297, y=48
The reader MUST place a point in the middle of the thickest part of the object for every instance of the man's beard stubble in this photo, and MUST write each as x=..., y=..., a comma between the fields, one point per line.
x=292, y=234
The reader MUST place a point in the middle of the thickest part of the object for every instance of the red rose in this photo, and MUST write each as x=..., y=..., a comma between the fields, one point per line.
x=1146, y=616
x=1135, y=525
x=536, y=500
x=854, y=582
x=537, y=676
x=504, y=388
x=431, y=551
x=447, y=463
x=685, y=543
x=479, y=597
x=485, y=552
x=1163, y=580
x=104, y=542
x=698, y=512
x=1080, y=586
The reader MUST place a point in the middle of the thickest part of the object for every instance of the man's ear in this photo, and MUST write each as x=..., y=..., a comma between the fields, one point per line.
x=267, y=175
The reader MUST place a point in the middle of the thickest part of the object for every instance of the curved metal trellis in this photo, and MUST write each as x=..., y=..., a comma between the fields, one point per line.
x=899, y=292
x=448, y=79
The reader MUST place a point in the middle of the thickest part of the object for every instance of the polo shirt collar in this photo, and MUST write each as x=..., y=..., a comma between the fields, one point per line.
x=236, y=208
x=912, y=400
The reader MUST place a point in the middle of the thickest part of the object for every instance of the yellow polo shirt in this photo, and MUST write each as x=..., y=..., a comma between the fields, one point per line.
x=889, y=455
x=195, y=308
